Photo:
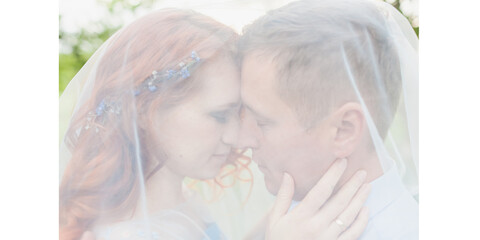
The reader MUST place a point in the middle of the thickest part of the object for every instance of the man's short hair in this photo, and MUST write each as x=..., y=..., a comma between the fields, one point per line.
x=305, y=40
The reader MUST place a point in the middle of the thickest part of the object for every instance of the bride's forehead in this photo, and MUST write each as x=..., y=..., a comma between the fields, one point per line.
x=216, y=88
x=219, y=74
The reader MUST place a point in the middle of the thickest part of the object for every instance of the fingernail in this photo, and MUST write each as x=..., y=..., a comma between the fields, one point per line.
x=285, y=176
x=361, y=175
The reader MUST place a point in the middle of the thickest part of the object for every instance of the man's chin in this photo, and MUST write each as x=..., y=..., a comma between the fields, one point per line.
x=271, y=186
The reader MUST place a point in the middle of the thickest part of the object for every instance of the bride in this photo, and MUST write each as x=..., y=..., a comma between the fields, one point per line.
x=157, y=103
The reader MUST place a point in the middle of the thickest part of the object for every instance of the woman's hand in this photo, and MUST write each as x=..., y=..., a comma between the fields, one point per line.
x=319, y=216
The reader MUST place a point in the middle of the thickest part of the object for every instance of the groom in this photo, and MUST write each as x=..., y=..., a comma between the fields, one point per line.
x=294, y=124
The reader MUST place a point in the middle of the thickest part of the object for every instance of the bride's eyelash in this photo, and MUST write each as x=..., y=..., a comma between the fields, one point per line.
x=220, y=117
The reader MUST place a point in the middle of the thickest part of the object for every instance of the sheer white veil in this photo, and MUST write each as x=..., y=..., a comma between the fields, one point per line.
x=99, y=117
x=403, y=144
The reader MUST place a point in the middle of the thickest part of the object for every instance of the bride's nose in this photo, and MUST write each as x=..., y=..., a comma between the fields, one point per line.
x=230, y=135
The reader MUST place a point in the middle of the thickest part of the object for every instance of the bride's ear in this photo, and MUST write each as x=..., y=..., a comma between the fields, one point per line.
x=349, y=124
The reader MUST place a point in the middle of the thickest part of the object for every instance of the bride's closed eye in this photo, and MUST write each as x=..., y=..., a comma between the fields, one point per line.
x=221, y=116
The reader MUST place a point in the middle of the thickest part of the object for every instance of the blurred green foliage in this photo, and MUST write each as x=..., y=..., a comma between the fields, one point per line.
x=82, y=44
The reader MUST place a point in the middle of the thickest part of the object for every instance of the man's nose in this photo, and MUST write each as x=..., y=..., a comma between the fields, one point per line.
x=246, y=140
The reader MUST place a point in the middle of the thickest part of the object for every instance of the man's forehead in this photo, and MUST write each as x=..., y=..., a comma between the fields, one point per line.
x=255, y=83
x=259, y=56
x=258, y=72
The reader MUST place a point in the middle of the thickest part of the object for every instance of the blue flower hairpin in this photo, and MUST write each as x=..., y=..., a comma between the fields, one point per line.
x=181, y=71
x=104, y=107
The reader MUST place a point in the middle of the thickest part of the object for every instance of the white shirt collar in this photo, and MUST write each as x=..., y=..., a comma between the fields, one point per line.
x=384, y=190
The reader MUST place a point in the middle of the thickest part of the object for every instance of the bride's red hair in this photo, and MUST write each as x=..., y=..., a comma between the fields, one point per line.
x=102, y=178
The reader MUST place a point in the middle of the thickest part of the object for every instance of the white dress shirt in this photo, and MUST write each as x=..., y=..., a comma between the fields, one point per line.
x=393, y=212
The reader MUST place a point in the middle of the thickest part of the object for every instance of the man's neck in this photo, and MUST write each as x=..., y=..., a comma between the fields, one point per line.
x=368, y=162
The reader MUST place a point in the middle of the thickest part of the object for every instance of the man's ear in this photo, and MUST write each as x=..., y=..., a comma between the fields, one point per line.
x=349, y=122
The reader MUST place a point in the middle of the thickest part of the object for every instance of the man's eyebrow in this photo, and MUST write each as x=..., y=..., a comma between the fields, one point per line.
x=230, y=105
x=257, y=114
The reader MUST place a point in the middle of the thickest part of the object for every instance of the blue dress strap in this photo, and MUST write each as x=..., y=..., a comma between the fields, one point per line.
x=213, y=232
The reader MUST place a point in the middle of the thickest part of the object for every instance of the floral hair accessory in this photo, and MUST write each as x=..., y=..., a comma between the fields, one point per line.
x=103, y=108
x=181, y=71
x=151, y=83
